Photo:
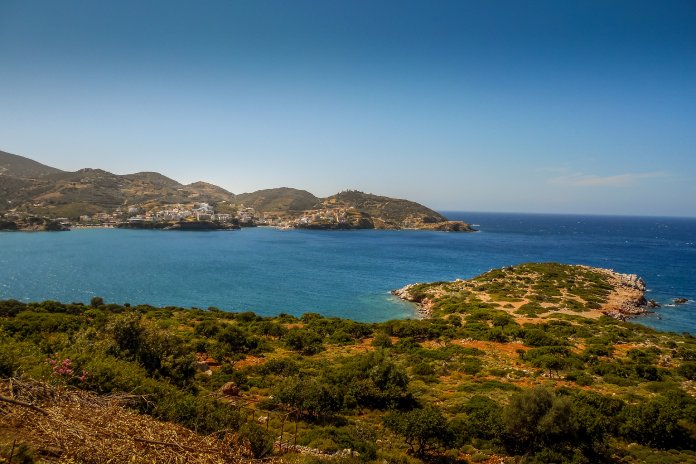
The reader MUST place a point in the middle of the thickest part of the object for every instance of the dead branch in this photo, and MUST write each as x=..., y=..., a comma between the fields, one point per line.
x=22, y=403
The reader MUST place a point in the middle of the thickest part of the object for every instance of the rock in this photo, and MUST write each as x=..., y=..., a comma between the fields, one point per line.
x=202, y=366
x=653, y=304
x=680, y=301
x=632, y=281
x=230, y=389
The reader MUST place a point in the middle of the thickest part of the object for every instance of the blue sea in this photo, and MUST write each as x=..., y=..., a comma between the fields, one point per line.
x=341, y=273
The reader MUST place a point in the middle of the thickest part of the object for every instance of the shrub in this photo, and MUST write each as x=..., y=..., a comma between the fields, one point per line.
x=688, y=370
x=657, y=422
x=305, y=341
x=260, y=440
x=536, y=419
x=382, y=340
x=421, y=428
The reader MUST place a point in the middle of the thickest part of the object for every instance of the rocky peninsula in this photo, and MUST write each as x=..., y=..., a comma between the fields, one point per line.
x=533, y=291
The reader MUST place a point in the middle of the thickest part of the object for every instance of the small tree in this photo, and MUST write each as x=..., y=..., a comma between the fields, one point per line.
x=305, y=341
x=422, y=429
x=536, y=419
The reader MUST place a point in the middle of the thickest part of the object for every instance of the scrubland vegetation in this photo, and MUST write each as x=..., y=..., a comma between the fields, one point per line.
x=472, y=384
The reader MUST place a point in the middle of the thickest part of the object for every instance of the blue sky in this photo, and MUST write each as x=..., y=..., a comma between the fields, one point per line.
x=567, y=107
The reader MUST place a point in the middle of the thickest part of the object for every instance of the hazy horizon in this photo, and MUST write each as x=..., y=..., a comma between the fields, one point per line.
x=541, y=107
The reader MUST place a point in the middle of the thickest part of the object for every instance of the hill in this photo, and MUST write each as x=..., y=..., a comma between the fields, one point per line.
x=389, y=213
x=31, y=188
x=283, y=199
x=476, y=382
x=21, y=167
x=43, y=190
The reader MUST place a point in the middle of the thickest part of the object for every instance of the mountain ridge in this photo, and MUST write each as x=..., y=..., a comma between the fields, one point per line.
x=33, y=188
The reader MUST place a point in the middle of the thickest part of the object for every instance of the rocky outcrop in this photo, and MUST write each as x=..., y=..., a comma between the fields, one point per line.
x=680, y=301
x=447, y=226
x=627, y=300
x=410, y=293
x=32, y=224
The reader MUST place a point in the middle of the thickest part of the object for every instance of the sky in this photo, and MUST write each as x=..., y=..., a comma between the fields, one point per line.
x=477, y=105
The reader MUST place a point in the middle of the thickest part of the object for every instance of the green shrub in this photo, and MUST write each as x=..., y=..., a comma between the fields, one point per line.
x=688, y=370
x=382, y=340
x=422, y=429
x=305, y=341
x=259, y=440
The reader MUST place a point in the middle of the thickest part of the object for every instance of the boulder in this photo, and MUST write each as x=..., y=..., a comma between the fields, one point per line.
x=680, y=300
x=230, y=389
x=653, y=304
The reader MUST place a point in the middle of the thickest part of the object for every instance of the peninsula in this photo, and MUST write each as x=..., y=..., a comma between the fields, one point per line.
x=93, y=197
x=535, y=291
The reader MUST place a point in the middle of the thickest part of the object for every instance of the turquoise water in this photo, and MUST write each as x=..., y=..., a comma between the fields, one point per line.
x=339, y=273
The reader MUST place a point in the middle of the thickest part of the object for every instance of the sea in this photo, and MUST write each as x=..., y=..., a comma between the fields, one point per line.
x=342, y=273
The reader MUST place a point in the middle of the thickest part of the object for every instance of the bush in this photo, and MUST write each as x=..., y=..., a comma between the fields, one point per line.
x=237, y=340
x=688, y=370
x=421, y=429
x=372, y=380
x=259, y=440
x=483, y=420
x=382, y=340
x=536, y=419
x=305, y=341
x=657, y=422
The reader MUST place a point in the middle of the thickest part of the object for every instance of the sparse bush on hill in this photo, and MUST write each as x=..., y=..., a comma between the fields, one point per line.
x=474, y=381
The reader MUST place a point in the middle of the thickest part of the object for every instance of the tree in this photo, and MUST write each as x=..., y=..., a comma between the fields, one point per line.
x=305, y=341
x=422, y=429
x=536, y=419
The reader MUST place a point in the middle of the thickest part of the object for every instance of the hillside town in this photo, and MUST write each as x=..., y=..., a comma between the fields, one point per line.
x=158, y=216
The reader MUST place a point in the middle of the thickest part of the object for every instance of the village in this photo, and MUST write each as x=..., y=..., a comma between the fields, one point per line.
x=147, y=215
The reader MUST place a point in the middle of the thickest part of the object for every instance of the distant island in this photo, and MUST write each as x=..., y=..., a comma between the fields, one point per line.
x=34, y=196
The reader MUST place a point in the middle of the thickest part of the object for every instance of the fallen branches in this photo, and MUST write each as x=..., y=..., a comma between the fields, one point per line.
x=23, y=404
x=97, y=429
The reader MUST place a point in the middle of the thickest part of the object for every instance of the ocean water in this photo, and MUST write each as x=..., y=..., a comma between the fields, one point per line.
x=341, y=273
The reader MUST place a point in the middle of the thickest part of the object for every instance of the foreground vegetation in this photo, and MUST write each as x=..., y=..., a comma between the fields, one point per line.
x=472, y=384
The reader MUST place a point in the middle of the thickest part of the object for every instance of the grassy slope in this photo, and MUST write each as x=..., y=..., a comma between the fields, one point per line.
x=615, y=382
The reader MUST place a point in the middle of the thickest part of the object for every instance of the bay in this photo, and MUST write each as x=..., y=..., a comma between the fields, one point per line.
x=341, y=273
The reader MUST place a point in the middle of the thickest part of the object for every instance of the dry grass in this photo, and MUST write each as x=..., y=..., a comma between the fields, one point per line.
x=68, y=425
